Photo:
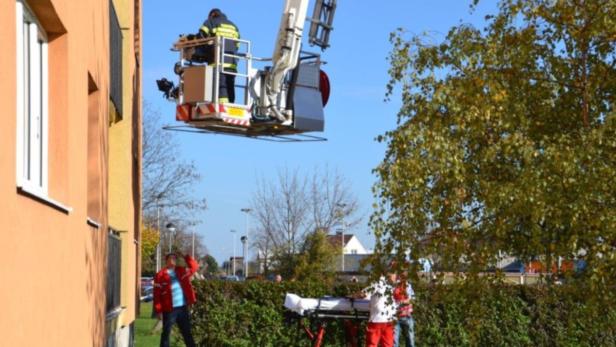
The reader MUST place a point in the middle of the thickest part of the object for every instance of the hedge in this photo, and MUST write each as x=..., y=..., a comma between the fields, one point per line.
x=464, y=314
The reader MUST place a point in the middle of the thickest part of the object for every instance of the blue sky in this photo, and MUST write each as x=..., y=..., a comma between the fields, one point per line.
x=356, y=114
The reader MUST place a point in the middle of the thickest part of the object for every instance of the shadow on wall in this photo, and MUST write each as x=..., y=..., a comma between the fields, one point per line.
x=96, y=260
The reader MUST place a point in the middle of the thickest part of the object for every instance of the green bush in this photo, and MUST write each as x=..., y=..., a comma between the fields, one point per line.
x=461, y=314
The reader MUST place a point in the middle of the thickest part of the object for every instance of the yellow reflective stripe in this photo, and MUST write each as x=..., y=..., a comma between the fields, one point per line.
x=225, y=30
x=226, y=33
x=228, y=26
x=205, y=29
x=230, y=29
x=227, y=36
x=223, y=100
x=226, y=65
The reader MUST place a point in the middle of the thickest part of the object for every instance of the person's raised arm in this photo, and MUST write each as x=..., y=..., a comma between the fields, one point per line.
x=192, y=265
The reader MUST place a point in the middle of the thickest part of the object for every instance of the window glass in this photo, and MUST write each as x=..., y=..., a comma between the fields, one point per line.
x=32, y=113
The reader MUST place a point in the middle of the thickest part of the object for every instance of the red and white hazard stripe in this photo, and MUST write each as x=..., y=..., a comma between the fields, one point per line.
x=183, y=112
x=234, y=121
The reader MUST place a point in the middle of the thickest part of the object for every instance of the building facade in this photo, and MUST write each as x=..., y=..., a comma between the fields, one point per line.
x=125, y=159
x=70, y=171
x=352, y=245
x=234, y=263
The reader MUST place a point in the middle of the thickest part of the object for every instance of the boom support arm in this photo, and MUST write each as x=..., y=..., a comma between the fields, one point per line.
x=286, y=53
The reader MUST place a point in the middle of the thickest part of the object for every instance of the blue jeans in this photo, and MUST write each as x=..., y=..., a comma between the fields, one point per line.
x=181, y=316
x=406, y=327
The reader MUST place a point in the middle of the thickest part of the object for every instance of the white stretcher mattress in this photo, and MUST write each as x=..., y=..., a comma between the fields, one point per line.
x=299, y=305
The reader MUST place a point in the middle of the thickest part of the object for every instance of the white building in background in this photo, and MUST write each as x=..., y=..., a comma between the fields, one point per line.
x=352, y=245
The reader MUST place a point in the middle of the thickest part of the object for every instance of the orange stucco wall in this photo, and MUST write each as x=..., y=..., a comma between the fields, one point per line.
x=52, y=277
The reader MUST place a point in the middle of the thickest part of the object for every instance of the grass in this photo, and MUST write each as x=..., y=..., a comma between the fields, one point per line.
x=144, y=337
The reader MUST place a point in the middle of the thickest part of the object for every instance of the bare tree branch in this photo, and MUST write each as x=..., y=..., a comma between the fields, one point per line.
x=331, y=200
x=168, y=182
x=288, y=209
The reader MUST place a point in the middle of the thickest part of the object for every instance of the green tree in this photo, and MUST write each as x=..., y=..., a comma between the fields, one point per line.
x=212, y=265
x=506, y=140
x=317, y=259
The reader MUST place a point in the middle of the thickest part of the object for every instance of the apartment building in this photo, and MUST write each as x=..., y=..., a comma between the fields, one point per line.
x=69, y=171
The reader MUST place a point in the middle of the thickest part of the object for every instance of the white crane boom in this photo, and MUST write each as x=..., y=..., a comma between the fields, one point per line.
x=286, y=53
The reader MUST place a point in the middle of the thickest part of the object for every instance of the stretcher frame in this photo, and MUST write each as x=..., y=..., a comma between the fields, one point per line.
x=319, y=319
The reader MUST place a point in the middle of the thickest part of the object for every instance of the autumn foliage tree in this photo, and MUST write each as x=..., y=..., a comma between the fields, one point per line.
x=506, y=140
x=149, y=240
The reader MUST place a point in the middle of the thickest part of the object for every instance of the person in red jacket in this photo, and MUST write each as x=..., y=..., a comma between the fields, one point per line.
x=405, y=326
x=173, y=293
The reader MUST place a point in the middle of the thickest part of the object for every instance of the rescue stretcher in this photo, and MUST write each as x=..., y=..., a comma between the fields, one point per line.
x=320, y=312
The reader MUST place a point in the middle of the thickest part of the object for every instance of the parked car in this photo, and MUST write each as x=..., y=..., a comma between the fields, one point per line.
x=147, y=282
x=147, y=293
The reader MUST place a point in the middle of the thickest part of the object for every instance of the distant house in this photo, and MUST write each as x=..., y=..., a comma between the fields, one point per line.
x=228, y=266
x=353, y=263
x=354, y=255
x=352, y=245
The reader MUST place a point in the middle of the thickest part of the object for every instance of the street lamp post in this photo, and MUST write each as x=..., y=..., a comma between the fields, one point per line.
x=193, y=244
x=158, y=260
x=244, y=239
x=233, y=259
x=170, y=229
x=246, y=211
x=343, y=226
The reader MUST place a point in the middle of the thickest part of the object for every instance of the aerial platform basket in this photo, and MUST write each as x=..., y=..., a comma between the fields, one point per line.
x=199, y=107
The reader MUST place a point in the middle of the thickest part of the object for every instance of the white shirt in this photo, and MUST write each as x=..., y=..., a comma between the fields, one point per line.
x=382, y=306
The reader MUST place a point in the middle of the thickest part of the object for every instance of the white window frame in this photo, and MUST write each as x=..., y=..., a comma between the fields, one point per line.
x=32, y=106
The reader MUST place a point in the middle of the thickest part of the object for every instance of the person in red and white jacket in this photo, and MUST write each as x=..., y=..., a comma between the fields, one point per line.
x=173, y=293
x=383, y=309
x=404, y=296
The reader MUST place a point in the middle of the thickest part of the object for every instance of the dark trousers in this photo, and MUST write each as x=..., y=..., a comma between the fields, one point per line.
x=227, y=85
x=180, y=316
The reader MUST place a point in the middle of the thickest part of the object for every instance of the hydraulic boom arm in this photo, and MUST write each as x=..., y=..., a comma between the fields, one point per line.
x=286, y=53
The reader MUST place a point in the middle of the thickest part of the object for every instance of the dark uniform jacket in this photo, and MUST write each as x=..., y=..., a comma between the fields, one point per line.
x=222, y=27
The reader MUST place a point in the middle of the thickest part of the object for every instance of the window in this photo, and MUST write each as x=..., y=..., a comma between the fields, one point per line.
x=95, y=153
x=115, y=51
x=113, y=306
x=114, y=270
x=32, y=95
